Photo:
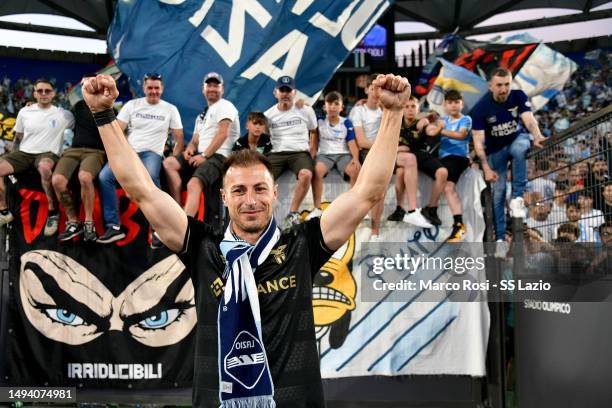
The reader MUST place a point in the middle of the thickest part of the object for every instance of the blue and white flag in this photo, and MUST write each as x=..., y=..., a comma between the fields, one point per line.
x=249, y=42
x=452, y=76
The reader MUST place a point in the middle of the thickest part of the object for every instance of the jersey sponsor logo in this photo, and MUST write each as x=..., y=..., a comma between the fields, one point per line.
x=217, y=287
x=245, y=353
x=276, y=285
x=279, y=254
x=504, y=129
x=492, y=119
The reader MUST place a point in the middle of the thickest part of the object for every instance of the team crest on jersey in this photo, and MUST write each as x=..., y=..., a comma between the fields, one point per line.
x=514, y=111
x=246, y=352
x=492, y=119
x=279, y=254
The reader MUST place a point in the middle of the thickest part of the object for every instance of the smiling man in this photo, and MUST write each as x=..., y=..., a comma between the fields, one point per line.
x=148, y=120
x=254, y=349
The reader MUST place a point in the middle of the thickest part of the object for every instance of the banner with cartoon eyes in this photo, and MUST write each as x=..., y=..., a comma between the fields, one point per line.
x=92, y=315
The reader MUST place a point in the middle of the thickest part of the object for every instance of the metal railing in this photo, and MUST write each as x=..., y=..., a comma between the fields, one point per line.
x=569, y=188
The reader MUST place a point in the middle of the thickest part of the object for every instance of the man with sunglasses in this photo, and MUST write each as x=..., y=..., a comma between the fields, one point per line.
x=39, y=137
x=148, y=121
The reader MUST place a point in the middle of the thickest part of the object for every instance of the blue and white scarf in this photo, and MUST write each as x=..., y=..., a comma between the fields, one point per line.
x=245, y=380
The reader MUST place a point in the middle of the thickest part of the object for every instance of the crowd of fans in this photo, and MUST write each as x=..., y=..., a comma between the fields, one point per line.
x=569, y=195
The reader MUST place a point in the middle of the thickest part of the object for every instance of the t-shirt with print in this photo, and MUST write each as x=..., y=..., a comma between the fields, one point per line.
x=86, y=132
x=455, y=147
x=333, y=139
x=500, y=121
x=208, y=126
x=284, y=283
x=148, y=125
x=412, y=137
x=289, y=129
x=367, y=119
x=43, y=129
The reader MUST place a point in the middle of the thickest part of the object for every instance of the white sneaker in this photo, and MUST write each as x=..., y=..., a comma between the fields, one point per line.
x=501, y=249
x=417, y=219
x=517, y=208
x=314, y=213
x=5, y=218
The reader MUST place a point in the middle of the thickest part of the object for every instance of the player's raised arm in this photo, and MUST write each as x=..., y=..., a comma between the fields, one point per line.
x=343, y=215
x=164, y=214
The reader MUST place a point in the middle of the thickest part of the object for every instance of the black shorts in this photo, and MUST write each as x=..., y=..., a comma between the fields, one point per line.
x=208, y=172
x=427, y=163
x=455, y=166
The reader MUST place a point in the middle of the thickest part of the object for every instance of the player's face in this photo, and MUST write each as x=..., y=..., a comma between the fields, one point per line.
x=213, y=91
x=453, y=108
x=500, y=87
x=44, y=93
x=334, y=108
x=153, y=90
x=411, y=109
x=284, y=95
x=255, y=128
x=249, y=194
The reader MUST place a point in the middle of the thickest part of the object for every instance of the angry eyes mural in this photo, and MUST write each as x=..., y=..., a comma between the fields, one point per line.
x=67, y=303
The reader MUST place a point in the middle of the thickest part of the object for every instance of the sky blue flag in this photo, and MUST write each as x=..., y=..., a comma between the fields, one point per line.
x=249, y=42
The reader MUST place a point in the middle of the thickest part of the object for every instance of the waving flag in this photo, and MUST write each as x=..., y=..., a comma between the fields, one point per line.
x=249, y=42
x=451, y=76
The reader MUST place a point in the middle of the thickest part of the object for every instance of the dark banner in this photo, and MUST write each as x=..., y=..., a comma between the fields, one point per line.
x=478, y=57
x=91, y=315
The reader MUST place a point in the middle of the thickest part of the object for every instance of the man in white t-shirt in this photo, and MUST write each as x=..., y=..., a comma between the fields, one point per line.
x=292, y=131
x=366, y=121
x=148, y=121
x=216, y=130
x=39, y=135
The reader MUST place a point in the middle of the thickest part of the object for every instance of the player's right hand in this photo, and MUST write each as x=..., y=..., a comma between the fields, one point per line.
x=100, y=92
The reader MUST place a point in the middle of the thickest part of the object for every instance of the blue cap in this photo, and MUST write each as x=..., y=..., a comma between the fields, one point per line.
x=213, y=76
x=285, y=81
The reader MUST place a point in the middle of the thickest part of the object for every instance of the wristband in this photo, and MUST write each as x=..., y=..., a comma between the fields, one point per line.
x=104, y=117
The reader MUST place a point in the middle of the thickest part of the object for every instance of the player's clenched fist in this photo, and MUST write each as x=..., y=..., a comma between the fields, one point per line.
x=393, y=91
x=100, y=92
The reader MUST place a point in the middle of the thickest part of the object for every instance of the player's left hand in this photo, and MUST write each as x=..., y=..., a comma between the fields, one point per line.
x=100, y=92
x=393, y=91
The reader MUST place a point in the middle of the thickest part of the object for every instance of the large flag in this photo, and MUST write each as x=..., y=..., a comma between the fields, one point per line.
x=452, y=76
x=544, y=74
x=249, y=42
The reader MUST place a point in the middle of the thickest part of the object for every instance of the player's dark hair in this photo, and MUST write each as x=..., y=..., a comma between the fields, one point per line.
x=333, y=96
x=500, y=72
x=257, y=117
x=44, y=81
x=246, y=158
x=453, y=95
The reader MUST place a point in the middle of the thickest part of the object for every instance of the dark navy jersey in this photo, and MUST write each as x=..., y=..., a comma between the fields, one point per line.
x=501, y=122
x=284, y=283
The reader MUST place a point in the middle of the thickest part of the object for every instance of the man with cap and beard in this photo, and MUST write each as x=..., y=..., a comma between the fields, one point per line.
x=216, y=130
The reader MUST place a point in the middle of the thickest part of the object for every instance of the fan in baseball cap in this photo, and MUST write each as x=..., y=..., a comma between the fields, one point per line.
x=213, y=76
x=285, y=82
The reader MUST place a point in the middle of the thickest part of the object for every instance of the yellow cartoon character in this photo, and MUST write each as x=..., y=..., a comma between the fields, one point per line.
x=6, y=127
x=333, y=295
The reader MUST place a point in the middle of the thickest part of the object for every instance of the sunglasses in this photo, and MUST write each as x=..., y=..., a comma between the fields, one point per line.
x=153, y=76
x=43, y=91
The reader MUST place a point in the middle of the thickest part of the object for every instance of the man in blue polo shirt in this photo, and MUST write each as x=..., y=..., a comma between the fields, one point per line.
x=499, y=138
